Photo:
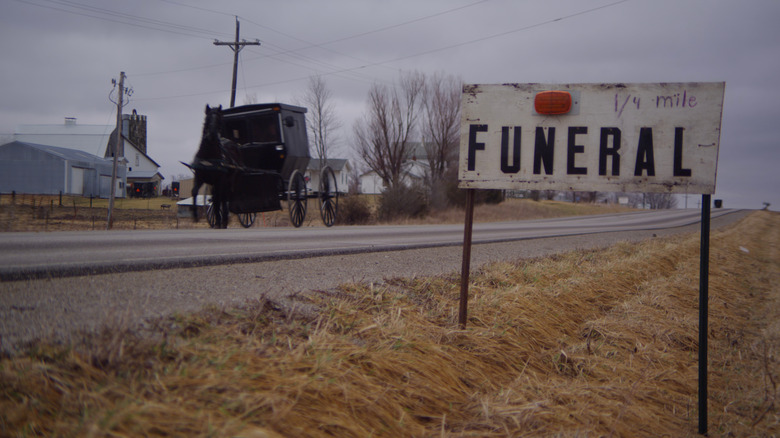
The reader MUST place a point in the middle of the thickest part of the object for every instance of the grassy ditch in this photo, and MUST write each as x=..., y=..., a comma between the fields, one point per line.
x=588, y=343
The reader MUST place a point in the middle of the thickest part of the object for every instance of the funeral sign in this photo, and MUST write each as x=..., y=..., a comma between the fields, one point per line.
x=646, y=137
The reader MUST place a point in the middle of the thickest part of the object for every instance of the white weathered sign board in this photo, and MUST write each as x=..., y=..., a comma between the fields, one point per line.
x=649, y=137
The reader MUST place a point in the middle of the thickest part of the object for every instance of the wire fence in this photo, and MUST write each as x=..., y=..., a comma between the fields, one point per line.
x=26, y=212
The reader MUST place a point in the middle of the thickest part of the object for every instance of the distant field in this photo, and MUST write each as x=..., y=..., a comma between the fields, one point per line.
x=52, y=213
x=46, y=213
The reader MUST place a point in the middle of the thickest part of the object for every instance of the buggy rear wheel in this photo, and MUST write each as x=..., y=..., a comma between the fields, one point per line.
x=297, y=198
x=247, y=219
x=329, y=196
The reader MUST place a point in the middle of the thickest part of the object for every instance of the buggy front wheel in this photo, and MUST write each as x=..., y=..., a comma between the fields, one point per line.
x=211, y=215
x=247, y=219
x=296, y=198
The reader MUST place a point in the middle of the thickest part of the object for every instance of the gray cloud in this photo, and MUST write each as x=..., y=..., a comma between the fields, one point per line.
x=58, y=64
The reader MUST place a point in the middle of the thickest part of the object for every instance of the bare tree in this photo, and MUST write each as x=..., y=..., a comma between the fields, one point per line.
x=353, y=181
x=440, y=132
x=383, y=135
x=321, y=118
x=658, y=201
x=654, y=201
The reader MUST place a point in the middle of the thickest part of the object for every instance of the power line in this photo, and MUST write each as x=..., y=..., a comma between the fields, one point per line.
x=309, y=44
x=427, y=52
x=200, y=8
x=393, y=26
x=123, y=18
x=473, y=41
x=340, y=71
x=497, y=35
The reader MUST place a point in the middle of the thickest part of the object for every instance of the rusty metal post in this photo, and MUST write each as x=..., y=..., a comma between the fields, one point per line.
x=466, y=266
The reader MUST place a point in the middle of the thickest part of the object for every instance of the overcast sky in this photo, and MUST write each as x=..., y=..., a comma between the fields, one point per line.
x=59, y=57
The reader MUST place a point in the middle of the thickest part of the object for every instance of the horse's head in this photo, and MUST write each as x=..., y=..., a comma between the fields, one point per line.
x=213, y=122
x=209, y=143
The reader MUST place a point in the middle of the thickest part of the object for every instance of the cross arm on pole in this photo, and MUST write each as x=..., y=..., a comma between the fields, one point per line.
x=236, y=46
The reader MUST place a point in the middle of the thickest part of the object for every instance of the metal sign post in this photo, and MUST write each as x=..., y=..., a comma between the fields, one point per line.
x=466, y=266
x=704, y=275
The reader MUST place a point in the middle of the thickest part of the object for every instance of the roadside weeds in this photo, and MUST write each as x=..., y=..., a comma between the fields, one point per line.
x=600, y=342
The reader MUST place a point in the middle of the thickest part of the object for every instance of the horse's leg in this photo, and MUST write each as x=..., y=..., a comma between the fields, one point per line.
x=225, y=213
x=223, y=205
x=225, y=201
x=216, y=203
x=195, y=189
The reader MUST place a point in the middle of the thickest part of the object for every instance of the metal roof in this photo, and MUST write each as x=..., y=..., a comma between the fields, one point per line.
x=64, y=153
x=335, y=163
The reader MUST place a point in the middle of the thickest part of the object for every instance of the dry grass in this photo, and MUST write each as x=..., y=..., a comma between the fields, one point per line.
x=589, y=343
x=509, y=210
x=44, y=213
x=521, y=209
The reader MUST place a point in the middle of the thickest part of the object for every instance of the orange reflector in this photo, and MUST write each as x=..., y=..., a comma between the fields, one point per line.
x=552, y=102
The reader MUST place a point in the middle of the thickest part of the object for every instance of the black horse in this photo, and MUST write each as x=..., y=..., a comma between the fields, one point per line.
x=217, y=163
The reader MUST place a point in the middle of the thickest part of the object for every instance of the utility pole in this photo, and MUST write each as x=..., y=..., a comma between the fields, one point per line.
x=118, y=145
x=236, y=46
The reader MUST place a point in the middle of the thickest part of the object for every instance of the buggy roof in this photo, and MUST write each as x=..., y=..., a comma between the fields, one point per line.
x=262, y=106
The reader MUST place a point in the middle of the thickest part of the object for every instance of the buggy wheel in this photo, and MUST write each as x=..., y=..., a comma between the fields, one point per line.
x=296, y=198
x=247, y=219
x=329, y=196
x=211, y=215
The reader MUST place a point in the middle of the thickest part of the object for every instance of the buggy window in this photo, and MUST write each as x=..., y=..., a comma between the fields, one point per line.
x=236, y=131
x=264, y=128
x=256, y=128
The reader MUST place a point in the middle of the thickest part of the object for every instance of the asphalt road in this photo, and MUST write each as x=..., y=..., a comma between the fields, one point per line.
x=64, y=254
x=122, y=285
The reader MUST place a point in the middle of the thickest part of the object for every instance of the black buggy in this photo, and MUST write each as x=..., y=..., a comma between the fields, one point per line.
x=273, y=145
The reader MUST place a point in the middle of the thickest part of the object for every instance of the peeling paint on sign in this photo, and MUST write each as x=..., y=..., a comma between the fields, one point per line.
x=660, y=137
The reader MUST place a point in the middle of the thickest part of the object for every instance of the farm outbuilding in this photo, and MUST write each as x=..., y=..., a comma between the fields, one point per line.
x=51, y=170
x=100, y=141
x=341, y=168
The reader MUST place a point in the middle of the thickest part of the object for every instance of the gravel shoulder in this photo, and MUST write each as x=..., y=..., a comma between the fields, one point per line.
x=63, y=309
